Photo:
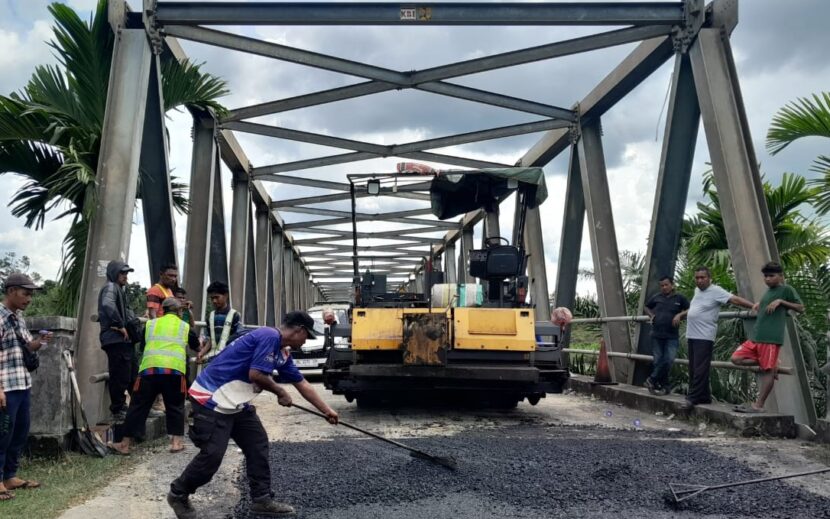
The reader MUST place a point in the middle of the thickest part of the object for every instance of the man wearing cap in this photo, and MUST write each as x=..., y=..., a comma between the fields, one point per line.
x=114, y=315
x=221, y=397
x=15, y=380
x=162, y=372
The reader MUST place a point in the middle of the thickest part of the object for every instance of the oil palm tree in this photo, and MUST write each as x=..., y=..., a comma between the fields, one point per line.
x=805, y=117
x=50, y=131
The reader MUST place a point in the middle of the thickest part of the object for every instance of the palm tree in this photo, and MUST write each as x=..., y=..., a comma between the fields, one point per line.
x=805, y=117
x=802, y=240
x=50, y=132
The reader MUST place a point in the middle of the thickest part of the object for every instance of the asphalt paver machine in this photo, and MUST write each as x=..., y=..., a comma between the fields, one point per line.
x=474, y=342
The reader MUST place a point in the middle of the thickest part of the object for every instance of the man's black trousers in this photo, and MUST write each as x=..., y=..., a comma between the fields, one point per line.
x=210, y=433
x=123, y=367
x=700, y=361
x=148, y=387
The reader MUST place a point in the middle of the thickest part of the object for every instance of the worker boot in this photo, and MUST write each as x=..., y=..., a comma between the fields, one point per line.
x=180, y=503
x=270, y=508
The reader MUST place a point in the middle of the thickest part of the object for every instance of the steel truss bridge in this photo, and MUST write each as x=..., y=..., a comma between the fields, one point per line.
x=273, y=266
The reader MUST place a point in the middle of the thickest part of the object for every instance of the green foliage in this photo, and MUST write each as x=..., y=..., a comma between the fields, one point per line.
x=10, y=262
x=136, y=298
x=50, y=132
x=803, y=117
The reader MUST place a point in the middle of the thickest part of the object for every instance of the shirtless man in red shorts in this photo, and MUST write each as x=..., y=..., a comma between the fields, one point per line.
x=768, y=336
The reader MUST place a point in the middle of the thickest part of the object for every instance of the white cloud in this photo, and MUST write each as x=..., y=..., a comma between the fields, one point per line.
x=43, y=247
x=22, y=51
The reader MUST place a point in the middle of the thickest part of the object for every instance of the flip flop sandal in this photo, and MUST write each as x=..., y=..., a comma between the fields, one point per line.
x=180, y=449
x=5, y=495
x=26, y=485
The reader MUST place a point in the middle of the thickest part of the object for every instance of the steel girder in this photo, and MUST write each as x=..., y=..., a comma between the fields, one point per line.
x=117, y=178
x=743, y=205
x=156, y=194
x=433, y=13
x=601, y=231
x=200, y=220
x=673, y=178
x=462, y=68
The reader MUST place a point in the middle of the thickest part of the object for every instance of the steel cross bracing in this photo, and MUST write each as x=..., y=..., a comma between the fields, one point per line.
x=648, y=21
x=273, y=266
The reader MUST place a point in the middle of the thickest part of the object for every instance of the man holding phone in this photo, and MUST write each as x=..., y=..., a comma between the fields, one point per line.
x=15, y=380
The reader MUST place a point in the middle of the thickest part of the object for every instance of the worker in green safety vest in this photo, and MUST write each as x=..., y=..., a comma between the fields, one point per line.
x=162, y=371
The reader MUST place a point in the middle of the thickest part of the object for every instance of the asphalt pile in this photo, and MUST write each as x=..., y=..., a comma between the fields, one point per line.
x=522, y=472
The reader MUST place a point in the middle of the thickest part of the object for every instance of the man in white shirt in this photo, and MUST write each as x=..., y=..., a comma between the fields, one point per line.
x=701, y=329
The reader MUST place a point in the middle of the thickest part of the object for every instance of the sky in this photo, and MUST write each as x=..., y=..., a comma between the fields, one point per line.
x=779, y=57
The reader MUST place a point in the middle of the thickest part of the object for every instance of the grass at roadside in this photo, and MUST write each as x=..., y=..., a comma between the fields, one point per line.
x=66, y=482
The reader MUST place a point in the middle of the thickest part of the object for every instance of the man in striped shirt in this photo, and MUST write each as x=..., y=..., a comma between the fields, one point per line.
x=223, y=323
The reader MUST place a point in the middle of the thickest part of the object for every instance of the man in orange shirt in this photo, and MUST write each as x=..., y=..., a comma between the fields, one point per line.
x=168, y=280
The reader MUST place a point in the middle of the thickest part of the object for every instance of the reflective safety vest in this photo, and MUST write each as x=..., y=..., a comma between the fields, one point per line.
x=166, y=343
x=216, y=347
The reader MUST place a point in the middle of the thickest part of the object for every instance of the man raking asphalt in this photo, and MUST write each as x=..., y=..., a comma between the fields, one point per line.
x=221, y=397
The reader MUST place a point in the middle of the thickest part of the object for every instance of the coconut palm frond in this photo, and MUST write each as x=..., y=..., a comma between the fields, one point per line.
x=180, y=194
x=184, y=84
x=85, y=51
x=784, y=200
x=821, y=199
x=803, y=117
x=71, y=272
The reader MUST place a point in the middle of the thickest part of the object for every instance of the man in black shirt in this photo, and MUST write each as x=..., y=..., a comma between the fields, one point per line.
x=666, y=311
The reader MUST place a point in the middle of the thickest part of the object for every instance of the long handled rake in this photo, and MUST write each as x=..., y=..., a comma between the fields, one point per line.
x=682, y=492
x=447, y=462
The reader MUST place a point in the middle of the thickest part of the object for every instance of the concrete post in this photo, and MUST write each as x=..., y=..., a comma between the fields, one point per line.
x=199, y=221
x=117, y=177
x=745, y=215
x=682, y=124
x=610, y=293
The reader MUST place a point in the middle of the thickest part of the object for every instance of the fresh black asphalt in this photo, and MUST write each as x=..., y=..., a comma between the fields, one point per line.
x=525, y=472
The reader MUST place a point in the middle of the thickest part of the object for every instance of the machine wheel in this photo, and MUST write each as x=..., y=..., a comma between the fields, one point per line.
x=533, y=399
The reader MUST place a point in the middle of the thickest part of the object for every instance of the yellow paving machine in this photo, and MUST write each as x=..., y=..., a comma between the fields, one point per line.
x=477, y=342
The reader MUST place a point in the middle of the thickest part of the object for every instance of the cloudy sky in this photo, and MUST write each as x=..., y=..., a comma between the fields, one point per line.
x=779, y=53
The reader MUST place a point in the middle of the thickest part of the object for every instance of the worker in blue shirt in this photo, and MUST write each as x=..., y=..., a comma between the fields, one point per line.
x=221, y=397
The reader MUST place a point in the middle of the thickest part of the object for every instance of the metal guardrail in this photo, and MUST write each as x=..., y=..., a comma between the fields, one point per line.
x=742, y=314
x=720, y=364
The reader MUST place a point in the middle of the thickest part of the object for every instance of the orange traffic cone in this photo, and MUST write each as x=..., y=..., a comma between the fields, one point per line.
x=603, y=374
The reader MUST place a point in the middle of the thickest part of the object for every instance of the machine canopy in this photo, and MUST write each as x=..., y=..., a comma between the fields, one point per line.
x=457, y=192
